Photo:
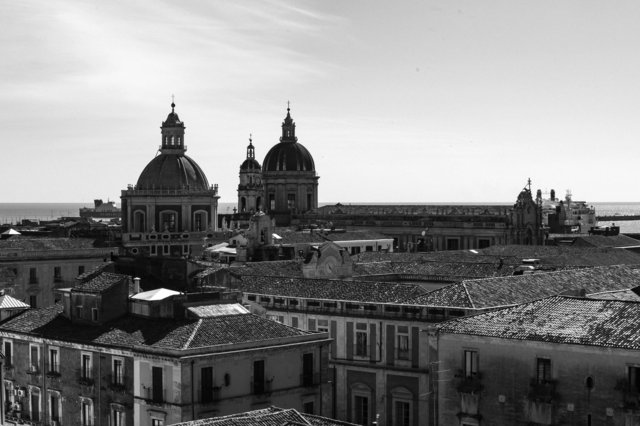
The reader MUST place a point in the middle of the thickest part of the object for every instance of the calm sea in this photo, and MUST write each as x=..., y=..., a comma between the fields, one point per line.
x=15, y=212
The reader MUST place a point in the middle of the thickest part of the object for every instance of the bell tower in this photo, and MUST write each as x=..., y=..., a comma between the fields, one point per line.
x=250, y=189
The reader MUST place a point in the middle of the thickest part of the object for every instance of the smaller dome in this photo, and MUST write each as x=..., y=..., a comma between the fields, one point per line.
x=250, y=164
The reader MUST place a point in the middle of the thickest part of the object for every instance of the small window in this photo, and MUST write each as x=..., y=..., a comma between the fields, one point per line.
x=33, y=276
x=94, y=314
x=294, y=322
x=57, y=274
x=54, y=360
x=8, y=353
x=362, y=340
x=323, y=325
x=403, y=342
x=633, y=377
x=470, y=363
x=117, y=371
x=80, y=269
x=33, y=301
x=543, y=370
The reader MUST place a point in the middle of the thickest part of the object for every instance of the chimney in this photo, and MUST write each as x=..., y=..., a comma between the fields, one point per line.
x=553, y=195
x=136, y=285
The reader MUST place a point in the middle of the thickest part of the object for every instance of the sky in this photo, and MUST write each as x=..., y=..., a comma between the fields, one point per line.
x=408, y=101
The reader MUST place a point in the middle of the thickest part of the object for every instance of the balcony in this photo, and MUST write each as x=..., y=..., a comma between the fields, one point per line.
x=310, y=379
x=53, y=370
x=261, y=387
x=153, y=395
x=33, y=370
x=470, y=384
x=208, y=396
x=542, y=391
x=85, y=378
x=119, y=383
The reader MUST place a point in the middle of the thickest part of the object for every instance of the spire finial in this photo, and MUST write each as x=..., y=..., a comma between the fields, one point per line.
x=173, y=102
x=250, y=138
x=287, y=106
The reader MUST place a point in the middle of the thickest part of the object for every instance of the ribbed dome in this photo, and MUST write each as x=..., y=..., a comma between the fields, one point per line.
x=287, y=156
x=250, y=164
x=172, y=171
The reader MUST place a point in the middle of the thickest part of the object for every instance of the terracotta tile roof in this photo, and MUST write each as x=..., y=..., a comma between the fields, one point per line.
x=159, y=333
x=271, y=416
x=558, y=319
x=100, y=283
x=609, y=241
x=357, y=291
x=505, y=291
x=414, y=210
x=567, y=255
x=454, y=271
x=292, y=237
x=356, y=236
x=630, y=295
x=279, y=268
x=43, y=244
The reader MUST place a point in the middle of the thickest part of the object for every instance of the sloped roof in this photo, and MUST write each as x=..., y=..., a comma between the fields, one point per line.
x=100, y=282
x=567, y=255
x=609, y=240
x=505, y=291
x=271, y=416
x=8, y=302
x=155, y=333
x=156, y=294
x=453, y=270
x=43, y=244
x=354, y=291
x=558, y=319
x=281, y=268
x=216, y=310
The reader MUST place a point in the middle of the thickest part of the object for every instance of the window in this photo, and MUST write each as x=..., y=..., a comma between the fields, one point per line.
x=86, y=412
x=157, y=390
x=543, y=370
x=258, y=376
x=403, y=342
x=154, y=250
x=117, y=416
x=483, y=243
x=470, y=363
x=633, y=377
x=94, y=314
x=117, y=371
x=33, y=276
x=361, y=410
x=55, y=405
x=361, y=339
x=291, y=201
x=85, y=366
x=80, y=269
x=401, y=406
x=401, y=413
x=323, y=325
x=199, y=221
x=34, y=404
x=165, y=250
x=57, y=274
x=168, y=221
x=272, y=201
x=54, y=360
x=206, y=384
x=33, y=301
x=34, y=358
x=157, y=422
x=453, y=244
x=294, y=322
x=138, y=221
x=8, y=353
x=307, y=369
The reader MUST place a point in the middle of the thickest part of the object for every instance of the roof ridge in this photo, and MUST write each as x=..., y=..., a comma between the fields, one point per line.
x=193, y=334
x=466, y=290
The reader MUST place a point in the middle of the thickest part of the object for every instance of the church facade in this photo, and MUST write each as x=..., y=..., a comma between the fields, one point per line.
x=285, y=185
x=172, y=208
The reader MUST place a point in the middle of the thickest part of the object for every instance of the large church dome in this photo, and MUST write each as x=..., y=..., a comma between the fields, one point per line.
x=288, y=155
x=172, y=171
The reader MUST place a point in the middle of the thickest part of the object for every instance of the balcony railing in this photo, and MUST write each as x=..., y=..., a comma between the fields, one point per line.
x=53, y=369
x=206, y=396
x=85, y=378
x=33, y=369
x=542, y=391
x=310, y=379
x=261, y=387
x=470, y=383
x=118, y=382
x=154, y=395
